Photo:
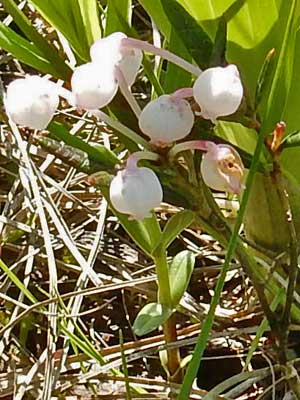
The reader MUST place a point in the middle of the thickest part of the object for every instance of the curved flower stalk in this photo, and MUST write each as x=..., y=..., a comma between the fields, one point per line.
x=136, y=190
x=218, y=91
x=167, y=118
x=32, y=101
x=221, y=165
x=132, y=43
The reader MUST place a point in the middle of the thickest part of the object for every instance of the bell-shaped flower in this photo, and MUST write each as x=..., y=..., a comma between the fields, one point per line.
x=218, y=91
x=109, y=51
x=135, y=191
x=93, y=86
x=31, y=101
x=166, y=119
x=222, y=168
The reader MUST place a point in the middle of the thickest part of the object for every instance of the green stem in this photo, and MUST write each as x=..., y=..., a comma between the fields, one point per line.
x=162, y=272
x=169, y=327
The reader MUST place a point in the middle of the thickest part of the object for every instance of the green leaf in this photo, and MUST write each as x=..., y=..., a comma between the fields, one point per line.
x=264, y=77
x=292, y=140
x=16, y=281
x=174, y=76
x=99, y=153
x=117, y=11
x=77, y=20
x=180, y=273
x=145, y=233
x=219, y=48
x=234, y=240
x=49, y=52
x=150, y=318
x=175, y=225
x=90, y=20
x=195, y=39
x=157, y=13
x=25, y=51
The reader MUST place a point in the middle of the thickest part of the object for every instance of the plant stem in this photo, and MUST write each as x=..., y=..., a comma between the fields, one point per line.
x=118, y=126
x=162, y=272
x=169, y=327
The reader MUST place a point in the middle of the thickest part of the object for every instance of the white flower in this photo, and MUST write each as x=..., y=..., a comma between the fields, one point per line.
x=218, y=91
x=222, y=168
x=135, y=191
x=93, y=86
x=31, y=101
x=109, y=51
x=166, y=119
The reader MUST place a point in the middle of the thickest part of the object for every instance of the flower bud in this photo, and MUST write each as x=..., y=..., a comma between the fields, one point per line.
x=135, y=191
x=93, y=86
x=31, y=101
x=166, y=119
x=109, y=51
x=222, y=168
x=218, y=91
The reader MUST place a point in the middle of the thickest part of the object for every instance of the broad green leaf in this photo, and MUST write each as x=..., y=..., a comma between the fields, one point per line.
x=150, y=318
x=156, y=11
x=175, y=225
x=145, y=233
x=237, y=135
x=75, y=19
x=180, y=273
x=117, y=10
x=90, y=19
x=250, y=36
x=194, y=38
x=24, y=51
x=234, y=240
x=174, y=76
x=46, y=48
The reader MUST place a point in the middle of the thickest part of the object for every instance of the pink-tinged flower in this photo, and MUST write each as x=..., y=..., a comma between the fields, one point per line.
x=218, y=91
x=135, y=190
x=222, y=168
x=166, y=119
x=93, y=86
x=109, y=51
x=31, y=101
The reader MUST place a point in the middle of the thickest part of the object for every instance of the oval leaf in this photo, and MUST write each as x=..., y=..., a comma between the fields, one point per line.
x=180, y=274
x=151, y=317
x=173, y=228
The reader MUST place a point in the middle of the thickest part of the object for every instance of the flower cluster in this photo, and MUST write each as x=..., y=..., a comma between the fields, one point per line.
x=115, y=62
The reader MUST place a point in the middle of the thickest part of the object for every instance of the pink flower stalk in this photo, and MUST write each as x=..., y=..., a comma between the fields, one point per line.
x=32, y=101
x=221, y=165
x=218, y=91
x=167, y=118
x=136, y=190
x=167, y=55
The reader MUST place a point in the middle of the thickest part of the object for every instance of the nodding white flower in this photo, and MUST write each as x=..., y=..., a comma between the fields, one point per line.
x=218, y=91
x=135, y=191
x=109, y=51
x=166, y=119
x=93, y=86
x=222, y=168
x=31, y=101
